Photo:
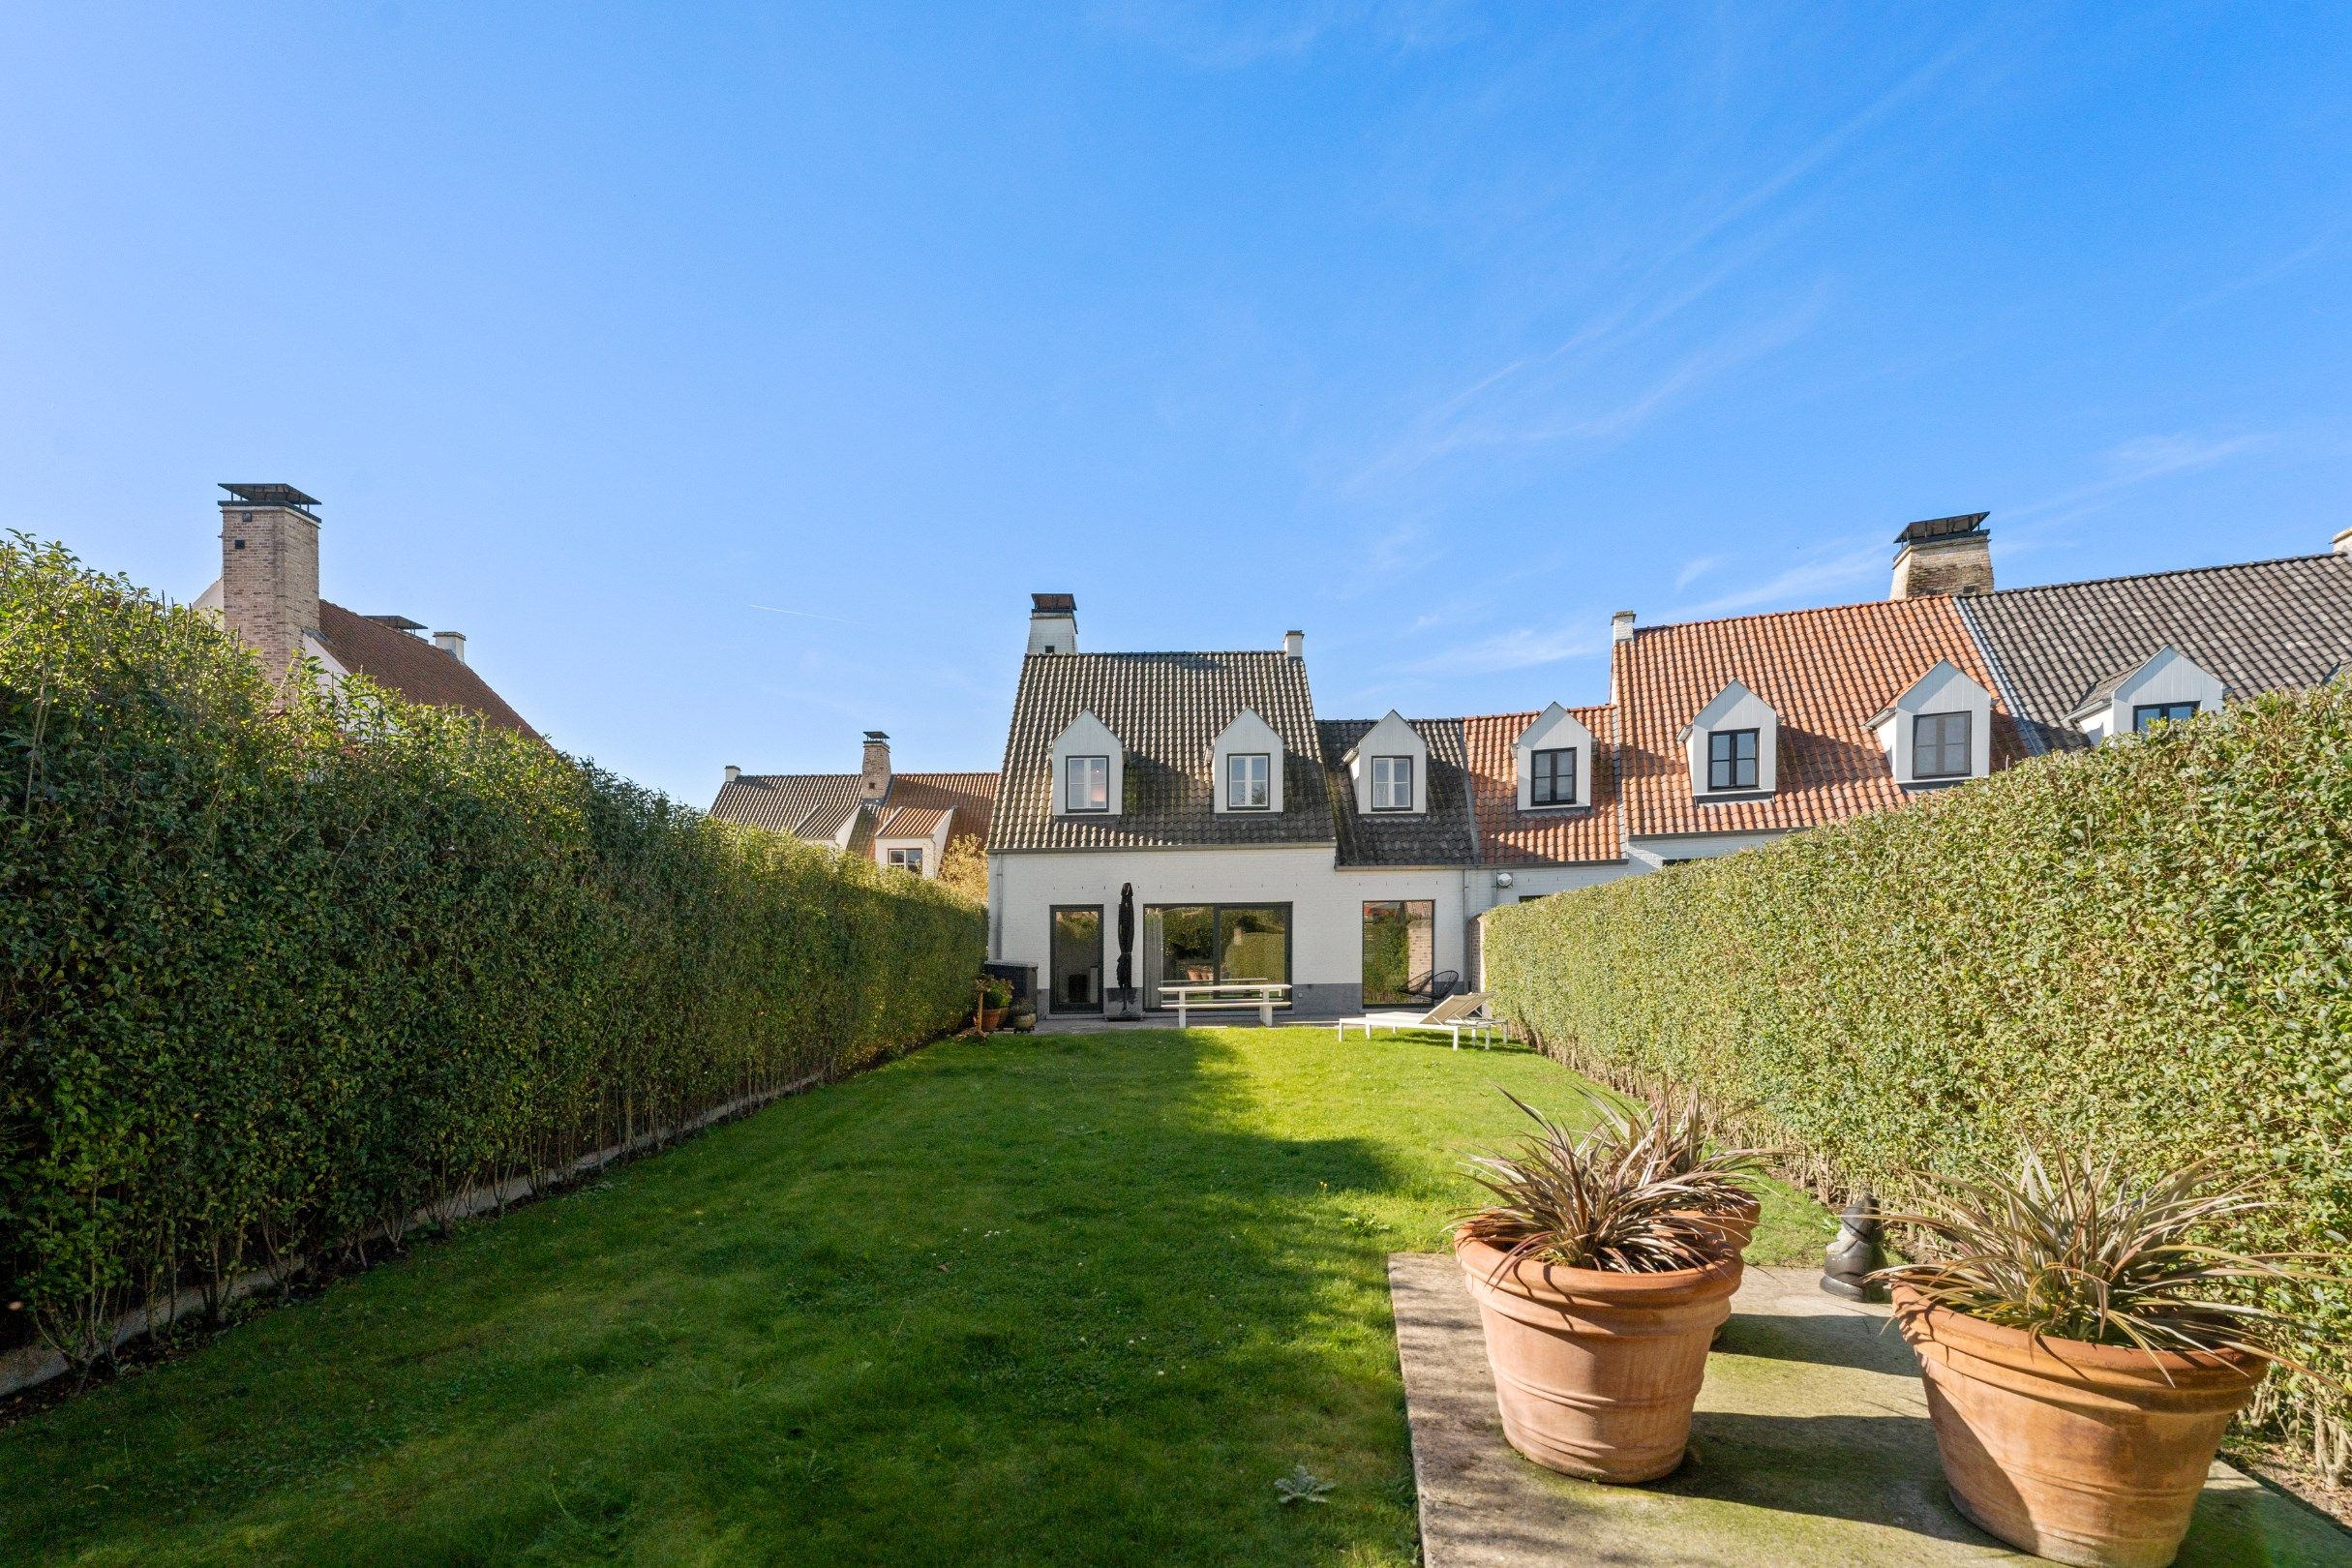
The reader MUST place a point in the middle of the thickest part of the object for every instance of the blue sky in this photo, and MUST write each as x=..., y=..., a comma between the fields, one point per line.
x=731, y=374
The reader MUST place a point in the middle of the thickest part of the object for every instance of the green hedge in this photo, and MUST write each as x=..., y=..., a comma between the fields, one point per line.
x=2146, y=947
x=272, y=977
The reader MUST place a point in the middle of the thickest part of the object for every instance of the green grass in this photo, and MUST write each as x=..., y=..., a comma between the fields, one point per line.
x=1074, y=1299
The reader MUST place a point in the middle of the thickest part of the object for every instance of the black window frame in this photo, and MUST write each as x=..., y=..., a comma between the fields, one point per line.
x=1232, y=801
x=2162, y=713
x=1538, y=779
x=1404, y=761
x=1068, y=808
x=1944, y=746
x=1754, y=760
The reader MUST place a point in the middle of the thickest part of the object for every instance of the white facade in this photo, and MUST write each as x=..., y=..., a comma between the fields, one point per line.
x=1088, y=737
x=1392, y=737
x=1326, y=905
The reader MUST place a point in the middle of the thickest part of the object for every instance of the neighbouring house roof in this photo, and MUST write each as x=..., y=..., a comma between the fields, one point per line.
x=1573, y=835
x=409, y=665
x=1823, y=671
x=816, y=806
x=908, y=822
x=2263, y=625
x=1166, y=710
x=1443, y=835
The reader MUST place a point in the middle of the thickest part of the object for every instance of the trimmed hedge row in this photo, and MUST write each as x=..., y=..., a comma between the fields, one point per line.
x=2146, y=948
x=272, y=977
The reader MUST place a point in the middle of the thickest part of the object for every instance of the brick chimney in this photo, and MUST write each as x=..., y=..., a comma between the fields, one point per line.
x=874, y=777
x=1053, y=623
x=269, y=570
x=1943, y=555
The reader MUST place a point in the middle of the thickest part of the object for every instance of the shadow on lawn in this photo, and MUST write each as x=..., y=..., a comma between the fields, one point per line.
x=1014, y=1301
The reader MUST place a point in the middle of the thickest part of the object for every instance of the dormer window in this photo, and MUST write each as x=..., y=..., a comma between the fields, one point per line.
x=1730, y=758
x=1551, y=777
x=1385, y=767
x=1248, y=779
x=1246, y=766
x=2144, y=715
x=1937, y=729
x=2167, y=687
x=1392, y=783
x=1732, y=746
x=1086, y=784
x=1940, y=745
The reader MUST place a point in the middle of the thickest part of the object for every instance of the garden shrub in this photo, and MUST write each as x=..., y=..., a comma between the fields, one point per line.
x=275, y=973
x=2145, y=949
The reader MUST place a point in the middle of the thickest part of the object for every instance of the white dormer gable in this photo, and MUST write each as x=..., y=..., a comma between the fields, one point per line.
x=1748, y=755
x=1389, y=769
x=1077, y=787
x=1254, y=784
x=2167, y=685
x=1554, y=729
x=1940, y=731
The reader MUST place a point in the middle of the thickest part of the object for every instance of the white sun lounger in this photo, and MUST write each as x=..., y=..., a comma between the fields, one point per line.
x=1454, y=1014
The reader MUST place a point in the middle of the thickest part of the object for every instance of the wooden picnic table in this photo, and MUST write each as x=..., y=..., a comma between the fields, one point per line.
x=1260, y=994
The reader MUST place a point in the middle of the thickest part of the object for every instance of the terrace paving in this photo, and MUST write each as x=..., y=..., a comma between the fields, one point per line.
x=1811, y=1449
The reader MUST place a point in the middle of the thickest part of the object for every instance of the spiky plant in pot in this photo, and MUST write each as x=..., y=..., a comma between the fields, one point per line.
x=1678, y=1142
x=1599, y=1280
x=2081, y=1358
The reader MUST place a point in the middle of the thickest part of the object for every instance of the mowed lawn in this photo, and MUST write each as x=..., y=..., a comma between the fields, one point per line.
x=1026, y=1300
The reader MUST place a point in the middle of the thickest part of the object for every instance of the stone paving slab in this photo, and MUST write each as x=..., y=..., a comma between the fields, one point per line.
x=1811, y=1449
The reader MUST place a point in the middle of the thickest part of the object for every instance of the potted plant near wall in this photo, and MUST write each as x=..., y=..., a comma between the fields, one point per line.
x=2080, y=1364
x=1599, y=1282
x=995, y=996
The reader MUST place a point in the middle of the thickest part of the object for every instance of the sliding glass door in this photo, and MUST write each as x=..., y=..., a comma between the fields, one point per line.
x=1201, y=944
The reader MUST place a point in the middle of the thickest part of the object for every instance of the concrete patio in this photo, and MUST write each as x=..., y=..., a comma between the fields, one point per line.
x=1811, y=1449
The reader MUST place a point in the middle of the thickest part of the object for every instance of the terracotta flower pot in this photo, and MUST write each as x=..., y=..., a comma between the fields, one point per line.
x=2079, y=1452
x=1596, y=1373
x=991, y=1020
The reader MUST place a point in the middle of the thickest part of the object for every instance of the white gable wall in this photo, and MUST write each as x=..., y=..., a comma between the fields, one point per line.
x=1087, y=736
x=1248, y=733
x=1392, y=737
x=1735, y=708
x=2168, y=676
x=1554, y=728
x=1944, y=689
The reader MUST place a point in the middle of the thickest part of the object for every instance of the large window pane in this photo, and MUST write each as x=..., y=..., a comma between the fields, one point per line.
x=1939, y=745
x=1731, y=760
x=1088, y=784
x=1253, y=942
x=1179, y=948
x=1400, y=949
x=1554, y=782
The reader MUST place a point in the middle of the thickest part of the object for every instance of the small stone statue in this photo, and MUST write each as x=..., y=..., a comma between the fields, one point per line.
x=1856, y=1251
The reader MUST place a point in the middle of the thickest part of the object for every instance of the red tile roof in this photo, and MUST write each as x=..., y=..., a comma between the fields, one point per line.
x=1510, y=836
x=1824, y=672
x=412, y=667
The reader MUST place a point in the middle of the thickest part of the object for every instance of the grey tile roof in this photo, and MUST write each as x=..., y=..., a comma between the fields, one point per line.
x=2261, y=626
x=1167, y=710
x=783, y=802
x=1444, y=834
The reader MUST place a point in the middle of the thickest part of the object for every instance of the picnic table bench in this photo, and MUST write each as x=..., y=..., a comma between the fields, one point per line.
x=1260, y=995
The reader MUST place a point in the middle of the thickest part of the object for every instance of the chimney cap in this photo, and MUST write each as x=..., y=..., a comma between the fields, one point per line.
x=876, y=734
x=1053, y=604
x=1940, y=528
x=396, y=623
x=268, y=496
x=2342, y=543
x=733, y=772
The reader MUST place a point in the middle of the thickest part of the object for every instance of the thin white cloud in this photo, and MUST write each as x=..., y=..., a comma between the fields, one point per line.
x=1219, y=38
x=1523, y=648
x=1694, y=570
x=1831, y=568
x=804, y=615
